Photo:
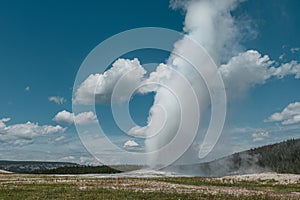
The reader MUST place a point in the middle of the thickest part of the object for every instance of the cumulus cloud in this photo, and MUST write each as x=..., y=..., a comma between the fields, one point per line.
x=64, y=117
x=291, y=68
x=84, y=118
x=130, y=143
x=162, y=74
x=57, y=99
x=99, y=87
x=260, y=136
x=289, y=115
x=132, y=74
x=246, y=70
x=250, y=68
x=22, y=134
x=2, y=122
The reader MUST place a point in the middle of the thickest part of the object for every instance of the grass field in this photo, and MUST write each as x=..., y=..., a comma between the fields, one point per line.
x=16, y=186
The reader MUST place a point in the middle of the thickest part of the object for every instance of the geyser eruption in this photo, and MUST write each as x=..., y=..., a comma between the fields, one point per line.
x=187, y=86
x=210, y=24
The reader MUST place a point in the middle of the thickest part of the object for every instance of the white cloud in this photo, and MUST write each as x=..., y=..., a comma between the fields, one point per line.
x=138, y=131
x=130, y=143
x=60, y=138
x=64, y=117
x=2, y=122
x=84, y=118
x=250, y=68
x=67, y=159
x=57, y=99
x=100, y=86
x=21, y=134
x=27, y=89
x=89, y=161
x=260, y=136
x=131, y=74
x=246, y=70
x=295, y=49
x=291, y=68
x=159, y=76
x=84, y=160
x=257, y=134
x=289, y=115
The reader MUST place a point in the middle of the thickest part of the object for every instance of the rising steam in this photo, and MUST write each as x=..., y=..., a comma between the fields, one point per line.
x=210, y=24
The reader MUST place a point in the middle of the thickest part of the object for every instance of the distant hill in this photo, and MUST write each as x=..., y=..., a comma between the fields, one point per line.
x=81, y=169
x=32, y=166
x=40, y=167
x=282, y=157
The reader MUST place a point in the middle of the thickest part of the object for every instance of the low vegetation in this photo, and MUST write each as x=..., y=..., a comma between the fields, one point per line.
x=84, y=187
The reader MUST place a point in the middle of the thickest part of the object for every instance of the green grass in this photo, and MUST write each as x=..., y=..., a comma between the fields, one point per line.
x=74, y=187
x=251, y=185
x=69, y=191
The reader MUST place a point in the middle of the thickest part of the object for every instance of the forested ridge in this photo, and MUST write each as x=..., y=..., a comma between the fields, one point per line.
x=282, y=157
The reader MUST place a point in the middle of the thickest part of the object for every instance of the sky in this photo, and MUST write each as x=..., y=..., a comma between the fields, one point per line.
x=43, y=44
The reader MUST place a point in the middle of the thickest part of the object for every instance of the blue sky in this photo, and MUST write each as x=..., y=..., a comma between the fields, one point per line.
x=43, y=43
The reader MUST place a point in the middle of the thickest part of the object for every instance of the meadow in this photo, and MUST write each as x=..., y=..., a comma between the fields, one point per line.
x=22, y=186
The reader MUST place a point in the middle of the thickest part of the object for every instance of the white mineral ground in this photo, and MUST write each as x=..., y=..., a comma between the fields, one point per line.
x=4, y=172
x=265, y=177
